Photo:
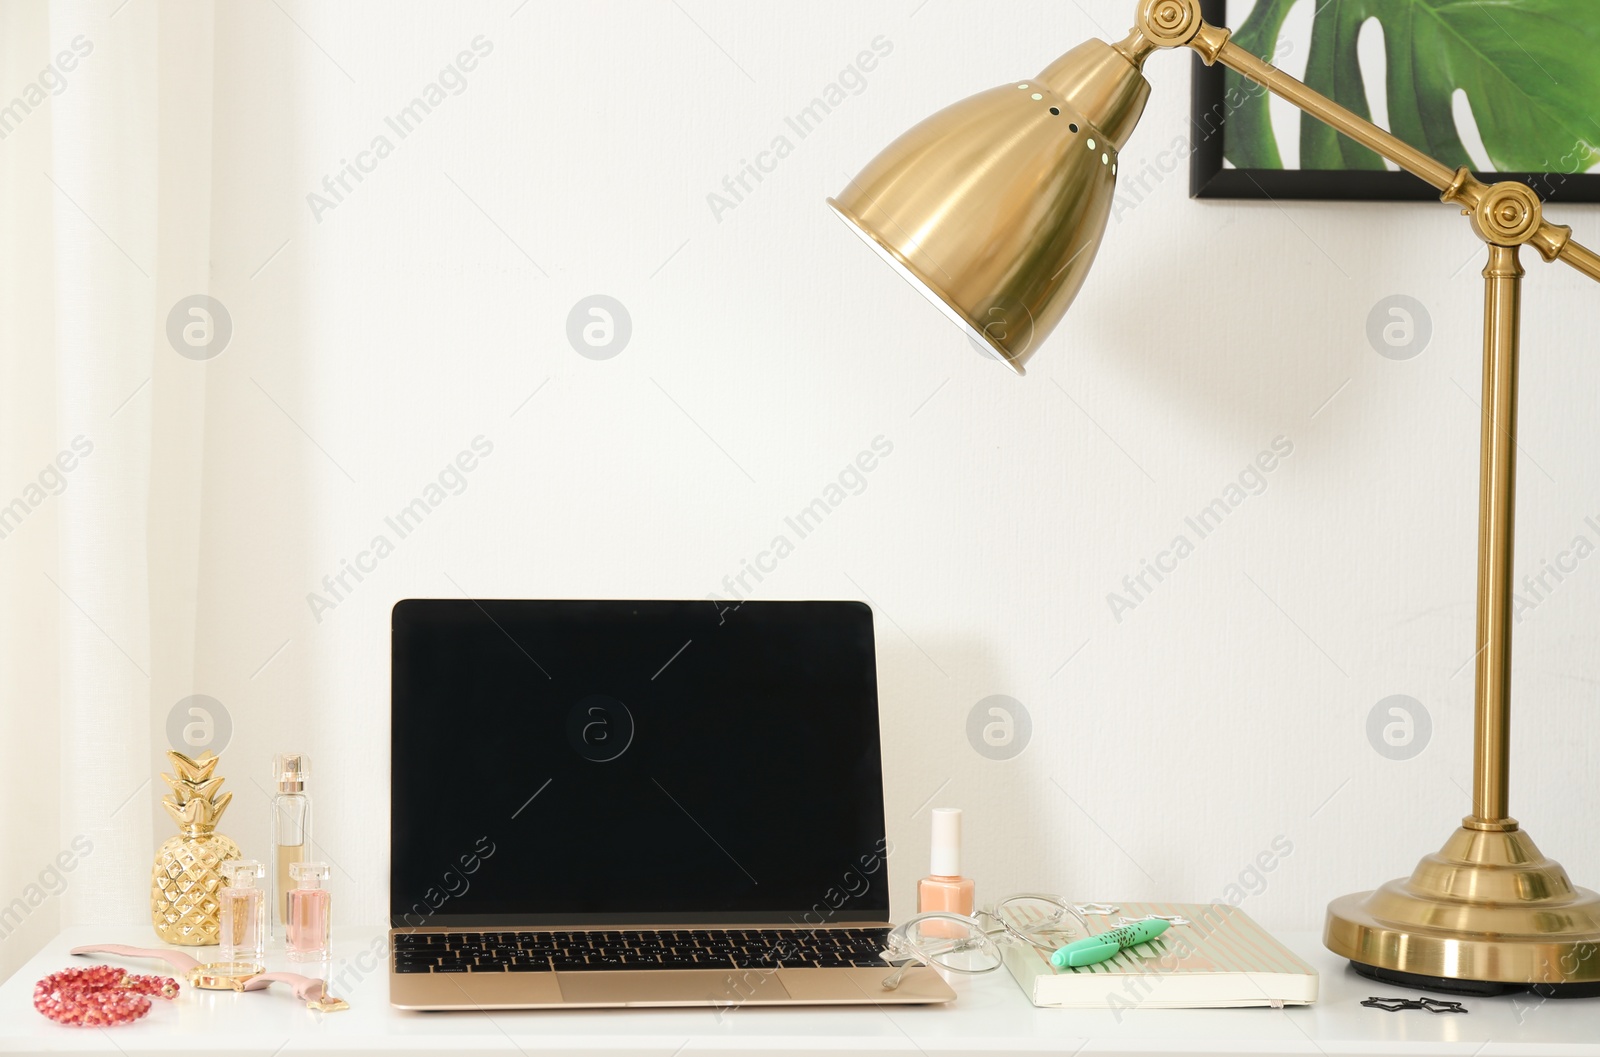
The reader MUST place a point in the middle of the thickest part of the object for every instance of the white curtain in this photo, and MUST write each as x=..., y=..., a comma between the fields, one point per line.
x=104, y=166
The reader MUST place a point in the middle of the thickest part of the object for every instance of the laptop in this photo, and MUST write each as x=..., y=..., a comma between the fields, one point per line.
x=602, y=804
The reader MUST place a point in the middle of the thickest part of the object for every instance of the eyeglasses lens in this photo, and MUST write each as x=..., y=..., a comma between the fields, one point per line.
x=1039, y=921
x=954, y=944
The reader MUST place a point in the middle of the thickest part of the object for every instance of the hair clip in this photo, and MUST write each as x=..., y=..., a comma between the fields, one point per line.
x=1439, y=1005
x=1393, y=1005
x=1432, y=1005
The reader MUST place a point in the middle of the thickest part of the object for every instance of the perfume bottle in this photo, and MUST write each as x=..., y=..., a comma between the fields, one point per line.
x=306, y=936
x=291, y=827
x=945, y=888
x=243, y=914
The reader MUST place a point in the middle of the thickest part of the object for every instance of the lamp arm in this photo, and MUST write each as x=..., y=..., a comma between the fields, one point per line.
x=1508, y=213
x=1214, y=44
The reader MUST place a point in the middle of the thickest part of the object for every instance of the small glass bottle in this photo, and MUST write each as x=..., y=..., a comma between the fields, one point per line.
x=291, y=827
x=945, y=888
x=243, y=916
x=306, y=935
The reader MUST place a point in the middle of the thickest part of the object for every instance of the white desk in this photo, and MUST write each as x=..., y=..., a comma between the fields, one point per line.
x=991, y=1016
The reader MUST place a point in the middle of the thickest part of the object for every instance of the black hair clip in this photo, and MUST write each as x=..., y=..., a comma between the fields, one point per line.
x=1432, y=1005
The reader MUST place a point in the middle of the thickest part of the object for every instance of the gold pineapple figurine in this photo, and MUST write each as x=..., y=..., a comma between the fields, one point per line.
x=187, y=873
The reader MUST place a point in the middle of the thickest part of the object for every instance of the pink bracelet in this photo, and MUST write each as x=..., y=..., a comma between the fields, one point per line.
x=99, y=996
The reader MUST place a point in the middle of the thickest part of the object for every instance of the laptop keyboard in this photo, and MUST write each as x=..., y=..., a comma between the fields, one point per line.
x=535, y=952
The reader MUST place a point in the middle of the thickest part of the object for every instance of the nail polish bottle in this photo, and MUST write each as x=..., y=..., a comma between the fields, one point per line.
x=243, y=915
x=945, y=888
x=306, y=935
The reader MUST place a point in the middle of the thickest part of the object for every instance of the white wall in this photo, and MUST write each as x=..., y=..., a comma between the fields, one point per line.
x=1228, y=709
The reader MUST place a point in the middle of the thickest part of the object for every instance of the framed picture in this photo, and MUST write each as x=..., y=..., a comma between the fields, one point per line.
x=1508, y=88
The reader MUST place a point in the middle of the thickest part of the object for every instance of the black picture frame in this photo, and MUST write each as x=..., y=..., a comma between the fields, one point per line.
x=1209, y=178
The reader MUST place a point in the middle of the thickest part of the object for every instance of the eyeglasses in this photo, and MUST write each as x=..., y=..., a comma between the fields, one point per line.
x=968, y=944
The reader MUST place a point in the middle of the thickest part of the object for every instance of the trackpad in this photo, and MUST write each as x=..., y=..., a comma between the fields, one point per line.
x=662, y=987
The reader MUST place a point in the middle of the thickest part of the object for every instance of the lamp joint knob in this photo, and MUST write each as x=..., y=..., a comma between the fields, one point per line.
x=1169, y=23
x=1508, y=214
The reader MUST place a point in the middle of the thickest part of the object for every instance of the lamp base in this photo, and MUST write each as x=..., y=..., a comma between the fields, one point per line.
x=1473, y=988
x=1486, y=914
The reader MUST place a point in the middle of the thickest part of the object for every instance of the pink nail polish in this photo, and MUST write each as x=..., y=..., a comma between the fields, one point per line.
x=945, y=889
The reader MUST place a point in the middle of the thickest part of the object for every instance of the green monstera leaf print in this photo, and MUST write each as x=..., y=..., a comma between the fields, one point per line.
x=1530, y=70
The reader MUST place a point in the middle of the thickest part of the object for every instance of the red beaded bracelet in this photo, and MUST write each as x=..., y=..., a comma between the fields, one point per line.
x=99, y=995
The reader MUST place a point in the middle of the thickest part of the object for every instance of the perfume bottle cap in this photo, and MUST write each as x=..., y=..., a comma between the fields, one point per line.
x=242, y=873
x=309, y=874
x=290, y=770
x=946, y=854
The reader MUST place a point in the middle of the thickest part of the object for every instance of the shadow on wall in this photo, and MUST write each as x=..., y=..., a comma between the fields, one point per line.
x=1222, y=356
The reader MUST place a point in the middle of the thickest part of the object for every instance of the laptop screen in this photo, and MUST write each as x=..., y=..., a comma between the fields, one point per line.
x=671, y=763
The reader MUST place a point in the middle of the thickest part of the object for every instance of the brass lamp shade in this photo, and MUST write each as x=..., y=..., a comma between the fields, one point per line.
x=994, y=207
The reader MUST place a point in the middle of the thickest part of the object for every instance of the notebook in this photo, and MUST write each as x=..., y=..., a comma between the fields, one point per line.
x=1221, y=958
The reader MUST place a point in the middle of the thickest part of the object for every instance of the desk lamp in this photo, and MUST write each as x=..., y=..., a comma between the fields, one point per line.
x=993, y=208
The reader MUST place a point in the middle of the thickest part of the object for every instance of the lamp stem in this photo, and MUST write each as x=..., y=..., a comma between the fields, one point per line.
x=1505, y=215
x=1496, y=529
